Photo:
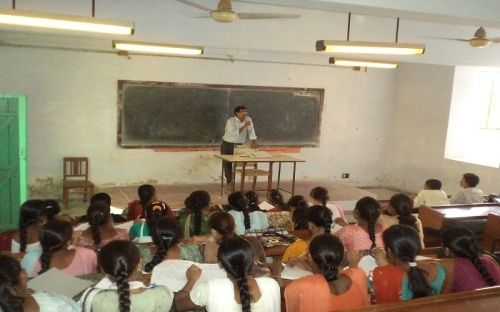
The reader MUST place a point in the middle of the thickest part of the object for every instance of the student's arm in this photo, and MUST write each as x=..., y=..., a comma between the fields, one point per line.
x=458, y=198
x=182, y=298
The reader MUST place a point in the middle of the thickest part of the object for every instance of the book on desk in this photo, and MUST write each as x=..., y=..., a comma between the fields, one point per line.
x=256, y=154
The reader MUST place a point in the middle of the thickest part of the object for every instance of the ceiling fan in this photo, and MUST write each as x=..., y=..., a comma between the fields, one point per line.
x=479, y=40
x=225, y=14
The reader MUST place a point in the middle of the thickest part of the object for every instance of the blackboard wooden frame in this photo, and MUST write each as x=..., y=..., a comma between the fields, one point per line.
x=310, y=101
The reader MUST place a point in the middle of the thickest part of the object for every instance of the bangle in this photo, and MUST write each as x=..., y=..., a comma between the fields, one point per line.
x=184, y=291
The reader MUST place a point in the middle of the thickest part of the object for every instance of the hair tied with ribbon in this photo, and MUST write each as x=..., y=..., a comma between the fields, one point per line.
x=412, y=264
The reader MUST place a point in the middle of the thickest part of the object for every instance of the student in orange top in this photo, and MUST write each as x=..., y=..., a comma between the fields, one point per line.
x=329, y=288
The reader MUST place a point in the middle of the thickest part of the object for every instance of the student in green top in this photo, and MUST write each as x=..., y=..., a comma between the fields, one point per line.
x=193, y=221
x=140, y=230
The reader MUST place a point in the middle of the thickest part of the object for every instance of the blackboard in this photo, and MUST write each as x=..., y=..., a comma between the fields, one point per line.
x=166, y=114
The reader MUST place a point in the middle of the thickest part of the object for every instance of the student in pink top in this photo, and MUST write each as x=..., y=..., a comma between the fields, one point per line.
x=56, y=253
x=319, y=196
x=101, y=230
x=468, y=268
x=366, y=234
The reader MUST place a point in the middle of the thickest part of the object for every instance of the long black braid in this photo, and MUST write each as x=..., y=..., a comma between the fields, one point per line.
x=403, y=205
x=54, y=236
x=321, y=217
x=10, y=270
x=98, y=215
x=165, y=234
x=198, y=200
x=118, y=259
x=238, y=202
x=30, y=213
x=462, y=243
x=321, y=194
x=368, y=209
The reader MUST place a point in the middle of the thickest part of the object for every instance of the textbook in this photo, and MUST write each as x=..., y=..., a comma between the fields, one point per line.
x=59, y=282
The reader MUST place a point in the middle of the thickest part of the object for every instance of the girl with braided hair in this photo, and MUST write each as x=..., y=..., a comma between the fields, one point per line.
x=101, y=229
x=120, y=260
x=330, y=288
x=319, y=196
x=367, y=233
x=275, y=198
x=14, y=296
x=239, y=292
x=243, y=218
x=165, y=234
x=468, y=268
x=399, y=277
x=399, y=211
x=319, y=221
x=31, y=218
x=139, y=232
x=222, y=226
x=193, y=221
x=56, y=253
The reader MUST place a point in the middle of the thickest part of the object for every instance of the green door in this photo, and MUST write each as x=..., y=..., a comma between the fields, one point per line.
x=13, y=173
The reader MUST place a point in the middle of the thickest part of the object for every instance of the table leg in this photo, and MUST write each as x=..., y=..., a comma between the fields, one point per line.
x=242, y=183
x=222, y=179
x=293, y=179
x=270, y=177
x=279, y=176
x=233, y=176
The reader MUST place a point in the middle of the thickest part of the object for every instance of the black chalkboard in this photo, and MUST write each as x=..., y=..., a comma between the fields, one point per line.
x=164, y=114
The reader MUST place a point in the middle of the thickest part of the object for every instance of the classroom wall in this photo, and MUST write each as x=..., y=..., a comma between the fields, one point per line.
x=419, y=126
x=72, y=111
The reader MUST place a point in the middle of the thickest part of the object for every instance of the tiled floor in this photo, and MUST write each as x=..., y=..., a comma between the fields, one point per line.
x=174, y=195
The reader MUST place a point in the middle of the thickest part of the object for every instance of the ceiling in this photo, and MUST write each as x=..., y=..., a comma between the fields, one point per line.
x=288, y=41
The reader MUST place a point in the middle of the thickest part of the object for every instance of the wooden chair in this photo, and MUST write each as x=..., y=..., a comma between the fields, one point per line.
x=76, y=176
x=250, y=169
x=491, y=235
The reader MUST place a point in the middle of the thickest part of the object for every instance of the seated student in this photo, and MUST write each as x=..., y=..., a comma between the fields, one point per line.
x=239, y=292
x=14, y=295
x=139, y=232
x=296, y=201
x=468, y=268
x=147, y=195
x=56, y=253
x=119, y=260
x=243, y=218
x=330, y=288
x=470, y=194
x=52, y=209
x=275, y=198
x=319, y=221
x=431, y=195
x=298, y=207
x=101, y=229
x=367, y=233
x=319, y=196
x=165, y=234
x=193, y=220
x=399, y=277
x=222, y=226
x=399, y=212
x=253, y=201
x=31, y=218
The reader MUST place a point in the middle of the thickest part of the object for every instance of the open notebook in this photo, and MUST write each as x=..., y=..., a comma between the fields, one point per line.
x=256, y=154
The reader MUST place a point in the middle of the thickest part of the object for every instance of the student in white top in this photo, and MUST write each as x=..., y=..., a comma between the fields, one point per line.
x=319, y=196
x=431, y=195
x=243, y=217
x=470, y=194
x=239, y=292
x=238, y=128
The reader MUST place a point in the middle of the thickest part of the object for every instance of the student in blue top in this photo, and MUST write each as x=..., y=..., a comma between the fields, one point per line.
x=140, y=231
x=243, y=218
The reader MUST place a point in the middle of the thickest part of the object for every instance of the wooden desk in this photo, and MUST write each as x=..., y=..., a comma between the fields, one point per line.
x=436, y=217
x=237, y=159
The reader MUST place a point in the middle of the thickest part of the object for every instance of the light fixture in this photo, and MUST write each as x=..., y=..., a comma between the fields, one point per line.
x=368, y=47
x=156, y=48
x=352, y=62
x=65, y=22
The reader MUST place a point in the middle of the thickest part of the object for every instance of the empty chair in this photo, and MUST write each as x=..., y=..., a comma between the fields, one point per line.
x=76, y=176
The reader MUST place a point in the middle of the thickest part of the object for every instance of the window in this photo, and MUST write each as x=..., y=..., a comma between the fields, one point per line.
x=474, y=124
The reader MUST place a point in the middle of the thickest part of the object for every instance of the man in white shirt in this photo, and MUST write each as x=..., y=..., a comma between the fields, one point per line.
x=238, y=128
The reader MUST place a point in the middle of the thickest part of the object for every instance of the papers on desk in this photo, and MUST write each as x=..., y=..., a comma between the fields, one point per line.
x=125, y=225
x=172, y=273
x=265, y=206
x=257, y=154
x=57, y=281
x=293, y=273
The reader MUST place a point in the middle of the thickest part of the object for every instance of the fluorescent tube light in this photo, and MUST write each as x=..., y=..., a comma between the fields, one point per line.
x=65, y=22
x=157, y=48
x=351, y=62
x=366, y=47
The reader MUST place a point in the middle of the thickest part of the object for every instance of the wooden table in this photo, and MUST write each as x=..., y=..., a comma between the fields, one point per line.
x=279, y=158
x=436, y=217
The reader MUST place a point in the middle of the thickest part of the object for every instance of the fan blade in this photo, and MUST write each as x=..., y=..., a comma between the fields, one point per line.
x=494, y=39
x=195, y=5
x=266, y=15
x=204, y=16
x=452, y=39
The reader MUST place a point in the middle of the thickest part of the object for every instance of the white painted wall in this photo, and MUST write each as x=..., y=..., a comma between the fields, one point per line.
x=418, y=133
x=72, y=110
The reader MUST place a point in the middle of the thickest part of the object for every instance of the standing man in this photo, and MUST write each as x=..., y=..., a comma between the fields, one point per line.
x=235, y=133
